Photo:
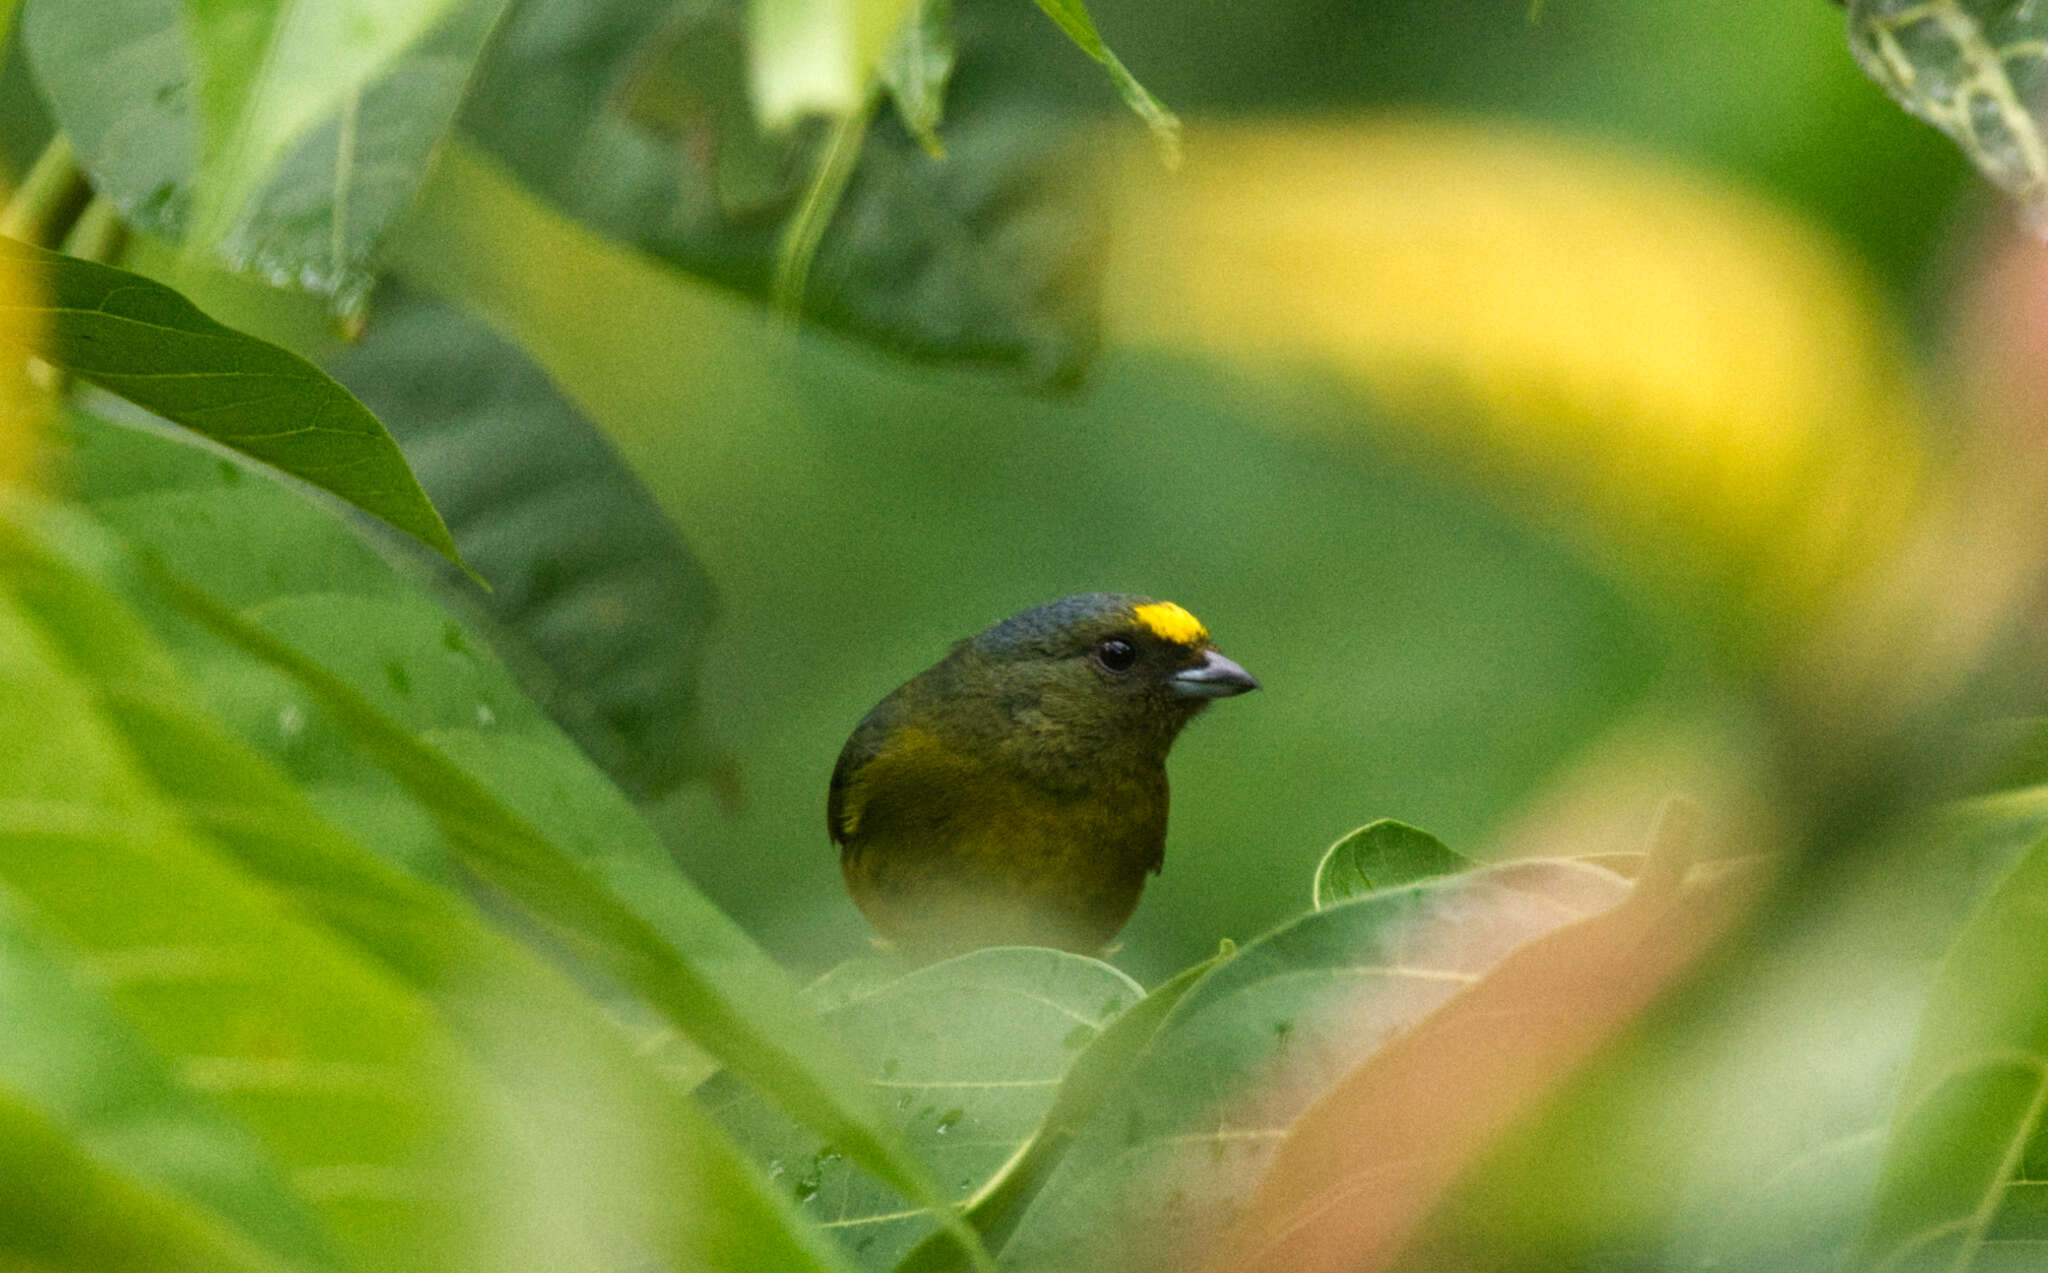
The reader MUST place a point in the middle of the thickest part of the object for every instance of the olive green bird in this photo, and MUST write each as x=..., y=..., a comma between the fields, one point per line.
x=1014, y=793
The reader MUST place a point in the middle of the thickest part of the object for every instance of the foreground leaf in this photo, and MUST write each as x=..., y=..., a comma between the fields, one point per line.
x=1961, y=1179
x=332, y=1066
x=96, y=1092
x=65, y=1212
x=374, y=672
x=1358, y=1171
x=566, y=1094
x=1379, y=855
x=285, y=135
x=1159, y=1175
x=147, y=343
x=966, y=1055
x=597, y=605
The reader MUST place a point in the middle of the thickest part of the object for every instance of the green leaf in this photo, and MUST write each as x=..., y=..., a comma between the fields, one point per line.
x=966, y=1055
x=67, y=1212
x=145, y=342
x=597, y=604
x=287, y=136
x=1963, y=1170
x=1973, y=69
x=357, y=1094
x=385, y=676
x=817, y=56
x=1159, y=1172
x=567, y=1095
x=991, y=258
x=1001, y=1203
x=1072, y=17
x=68, y=1057
x=1378, y=855
x=915, y=71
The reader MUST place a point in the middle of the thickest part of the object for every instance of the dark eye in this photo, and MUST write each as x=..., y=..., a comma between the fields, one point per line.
x=1116, y=654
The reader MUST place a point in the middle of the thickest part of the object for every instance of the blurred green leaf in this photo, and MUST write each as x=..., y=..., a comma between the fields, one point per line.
x=915, y=71
x=285, y=136
x=1963, y=1172
x=596, y=603
x=617, y=113
x=68, y=1212
x=68, y=1057
x=677, y=1191
x=1381, y=854
x=1975, y=69
x=1157, y=1176
x=817, y=56
x=147, y=343
x=356, y=1093
x=1000, y=1204
x=1804, y=1024
x=1072, y=17
x=391, y=678
x=966, y=1055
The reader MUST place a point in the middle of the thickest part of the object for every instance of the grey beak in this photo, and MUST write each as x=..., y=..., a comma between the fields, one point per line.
x=1214, y=677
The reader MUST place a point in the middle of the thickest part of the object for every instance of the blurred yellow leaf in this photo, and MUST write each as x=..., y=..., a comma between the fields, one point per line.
x=1686, y=377
x=20, y=404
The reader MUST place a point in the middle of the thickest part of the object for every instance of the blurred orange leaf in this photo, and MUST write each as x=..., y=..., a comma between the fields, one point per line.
x=1360, y=1168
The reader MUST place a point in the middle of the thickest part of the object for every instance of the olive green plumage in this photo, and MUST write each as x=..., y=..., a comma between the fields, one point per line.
x=1014, y=793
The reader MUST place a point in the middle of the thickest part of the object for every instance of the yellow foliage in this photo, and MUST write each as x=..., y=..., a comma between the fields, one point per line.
x=20, y=404
x=1697, y=379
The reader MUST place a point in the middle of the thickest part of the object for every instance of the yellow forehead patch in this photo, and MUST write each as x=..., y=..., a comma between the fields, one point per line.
x=1169, y=622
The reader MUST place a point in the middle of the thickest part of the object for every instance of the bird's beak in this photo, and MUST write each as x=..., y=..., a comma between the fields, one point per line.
x=1214, y=677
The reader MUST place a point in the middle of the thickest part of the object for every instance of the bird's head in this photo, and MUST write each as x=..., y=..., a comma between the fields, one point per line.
x=1104, y=670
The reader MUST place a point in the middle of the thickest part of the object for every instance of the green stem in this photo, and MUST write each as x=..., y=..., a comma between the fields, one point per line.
x=821, y=201
x=98, y=234
x=50, y=196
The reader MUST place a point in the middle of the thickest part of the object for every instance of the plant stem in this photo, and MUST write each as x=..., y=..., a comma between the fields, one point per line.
x=50, y=196
x=821, y=200
x=98, y=234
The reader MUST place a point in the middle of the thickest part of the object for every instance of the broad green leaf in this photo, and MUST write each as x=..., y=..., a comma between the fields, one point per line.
x=1975, y=69
x=817, y=56
x=355, y=1092
x=384, y=676
x=597, y=605
x=1159, y=1173
x=285, y=135
x=997, y=1206
x=567, y=1097
x=966, y=1055
x=1072, y=17
x=915, y=70
x=992, y=257
x=1378, y=855
x=1964, y=1170
x=68, y=1057
x=145, y=342
x=66, y=1212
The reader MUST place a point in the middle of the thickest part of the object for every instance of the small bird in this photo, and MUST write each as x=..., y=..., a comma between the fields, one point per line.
x=1014, y=793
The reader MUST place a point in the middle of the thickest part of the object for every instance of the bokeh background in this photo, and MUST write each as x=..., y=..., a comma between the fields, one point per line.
x=1492, y=380
x=1431, y=651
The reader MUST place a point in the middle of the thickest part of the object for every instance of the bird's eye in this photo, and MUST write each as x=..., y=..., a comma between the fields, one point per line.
x=1116, y=654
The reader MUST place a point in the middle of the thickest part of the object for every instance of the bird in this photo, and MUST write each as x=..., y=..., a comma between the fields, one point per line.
x=1014, y=793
